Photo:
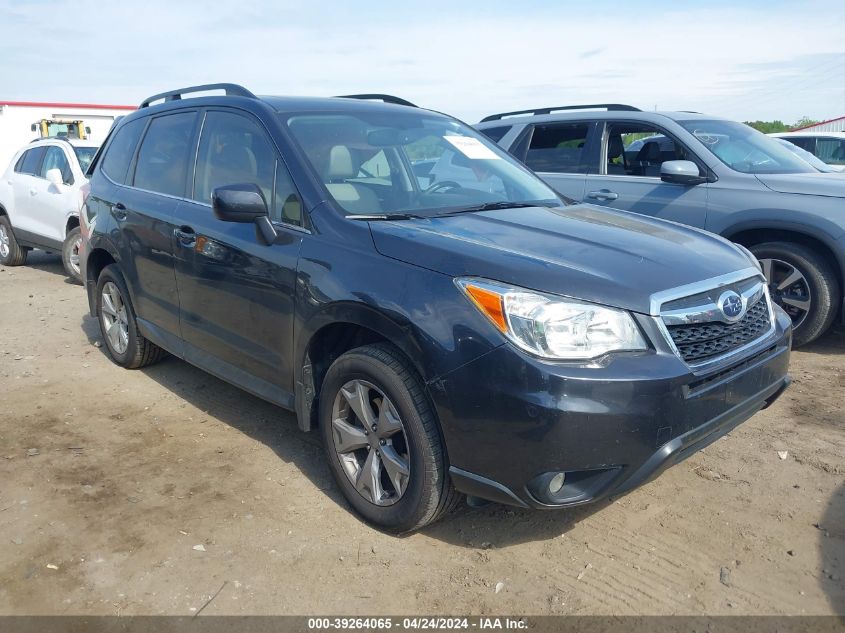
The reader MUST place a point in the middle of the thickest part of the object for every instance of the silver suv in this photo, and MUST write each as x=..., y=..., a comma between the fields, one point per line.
x=711, y=173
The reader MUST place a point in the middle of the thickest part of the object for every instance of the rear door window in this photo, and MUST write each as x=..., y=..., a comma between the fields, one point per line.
x=559, y=148
x=162, y=164
x=121, y=150
x=31, y=161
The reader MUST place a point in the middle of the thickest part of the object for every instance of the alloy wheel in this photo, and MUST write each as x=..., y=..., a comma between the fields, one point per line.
x=114, y=317
x=5, y=247
x=789, y=288
x=370, y=442
x=73, y=259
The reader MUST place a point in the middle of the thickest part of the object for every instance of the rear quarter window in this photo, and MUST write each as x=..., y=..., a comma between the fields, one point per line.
x=120, y=151
x=496, y=134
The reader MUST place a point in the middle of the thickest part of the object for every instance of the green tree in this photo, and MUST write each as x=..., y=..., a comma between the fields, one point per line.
x=805, y=121
x=767, y=127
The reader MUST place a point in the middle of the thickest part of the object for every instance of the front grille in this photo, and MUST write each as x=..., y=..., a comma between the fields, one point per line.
x=702, y=341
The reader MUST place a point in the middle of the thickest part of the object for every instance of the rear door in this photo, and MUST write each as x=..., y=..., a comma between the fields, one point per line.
x=143, y=209
x=562, y=154
x=629, y=178
x=237, y=293
x=25, y=188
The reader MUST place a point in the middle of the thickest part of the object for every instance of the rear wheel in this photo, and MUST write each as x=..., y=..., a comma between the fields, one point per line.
x=382, y=440
x=802, y=283
x=70, y=254
x=11, y=253
x=125, y=344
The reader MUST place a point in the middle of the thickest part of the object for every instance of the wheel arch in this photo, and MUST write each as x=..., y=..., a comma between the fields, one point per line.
x=751, y=235
x=96, y=260
x=335, y=331
x=71, y=223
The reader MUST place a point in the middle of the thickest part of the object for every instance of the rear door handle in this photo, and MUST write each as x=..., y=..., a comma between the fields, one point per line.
x=603, y=194
x=186, y=235
x=33, y=192
x=118, y=210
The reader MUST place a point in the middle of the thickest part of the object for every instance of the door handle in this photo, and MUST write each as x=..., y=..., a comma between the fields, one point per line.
x=185, y=235
x=118, y=210
x=33, y=192
x=603, y=194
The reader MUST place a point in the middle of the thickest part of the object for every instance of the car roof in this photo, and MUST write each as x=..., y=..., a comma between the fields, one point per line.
x=53, y=140
x=580, y=115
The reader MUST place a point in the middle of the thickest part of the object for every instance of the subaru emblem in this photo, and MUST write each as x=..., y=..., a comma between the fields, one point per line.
x=730, y=303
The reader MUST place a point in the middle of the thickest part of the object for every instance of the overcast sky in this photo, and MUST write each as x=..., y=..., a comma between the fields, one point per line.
x=743, y=60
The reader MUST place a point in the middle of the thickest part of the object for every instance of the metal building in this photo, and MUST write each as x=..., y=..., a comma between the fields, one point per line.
x=832, y=125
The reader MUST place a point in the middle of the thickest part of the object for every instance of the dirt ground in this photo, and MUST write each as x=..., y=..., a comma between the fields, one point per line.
x=148, y=492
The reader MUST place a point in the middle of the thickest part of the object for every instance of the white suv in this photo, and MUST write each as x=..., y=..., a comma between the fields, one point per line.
x=40, y=199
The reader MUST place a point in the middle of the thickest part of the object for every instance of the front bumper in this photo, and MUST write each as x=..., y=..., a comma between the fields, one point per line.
x=511, y=422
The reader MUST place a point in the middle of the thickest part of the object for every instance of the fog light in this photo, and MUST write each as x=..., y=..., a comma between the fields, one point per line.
x=556, y=483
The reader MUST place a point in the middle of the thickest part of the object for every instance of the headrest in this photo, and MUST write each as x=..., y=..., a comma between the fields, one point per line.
x=340, y=163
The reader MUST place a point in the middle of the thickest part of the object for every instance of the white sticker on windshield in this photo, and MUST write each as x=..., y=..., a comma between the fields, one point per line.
x=472, y=148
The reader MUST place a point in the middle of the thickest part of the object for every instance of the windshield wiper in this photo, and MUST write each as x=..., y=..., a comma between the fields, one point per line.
x=490, y=206
x=382, y=217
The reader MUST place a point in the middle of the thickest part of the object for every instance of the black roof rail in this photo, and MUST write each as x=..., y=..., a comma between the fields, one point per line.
x=593, y=106
x=380, y=97
x=232, y=90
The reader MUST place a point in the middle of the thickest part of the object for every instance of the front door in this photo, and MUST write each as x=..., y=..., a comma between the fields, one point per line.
x=237, y=293
x=632, y=153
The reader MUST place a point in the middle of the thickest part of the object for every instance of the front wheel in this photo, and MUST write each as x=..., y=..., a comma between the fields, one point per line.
x=803, y=283
x=382, y=440
x=70, y=254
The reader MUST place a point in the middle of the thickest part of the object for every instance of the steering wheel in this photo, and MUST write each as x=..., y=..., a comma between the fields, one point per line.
x=443, y=184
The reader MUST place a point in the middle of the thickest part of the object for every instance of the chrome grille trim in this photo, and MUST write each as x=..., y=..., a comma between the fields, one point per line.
x=699, y=313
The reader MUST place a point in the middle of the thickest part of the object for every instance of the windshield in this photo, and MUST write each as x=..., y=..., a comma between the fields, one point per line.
x=746, y=150
x=84, y=155
x=386, y=163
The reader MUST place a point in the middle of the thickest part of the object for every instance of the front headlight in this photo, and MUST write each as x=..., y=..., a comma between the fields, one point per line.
x=550, y=326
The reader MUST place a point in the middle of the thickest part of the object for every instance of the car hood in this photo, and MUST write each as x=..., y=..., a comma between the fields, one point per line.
x=821, y=184
x=592, y=253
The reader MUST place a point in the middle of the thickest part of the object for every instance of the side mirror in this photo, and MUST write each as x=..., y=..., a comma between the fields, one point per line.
x=243, y=203
x=681, y=172
x=54, y=177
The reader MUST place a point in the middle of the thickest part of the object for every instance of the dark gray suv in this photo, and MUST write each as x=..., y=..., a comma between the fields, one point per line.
x=715, y=174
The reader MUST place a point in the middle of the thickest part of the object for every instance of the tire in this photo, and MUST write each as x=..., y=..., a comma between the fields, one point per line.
x=131, y=350
x=819, y=278
x=11, y=253
x=70, y=254
x=427, y=493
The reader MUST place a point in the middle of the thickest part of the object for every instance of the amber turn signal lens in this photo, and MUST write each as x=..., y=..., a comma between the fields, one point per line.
x=490, y=303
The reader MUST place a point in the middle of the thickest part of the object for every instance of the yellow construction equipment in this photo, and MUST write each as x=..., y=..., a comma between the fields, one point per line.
x=57, y=127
